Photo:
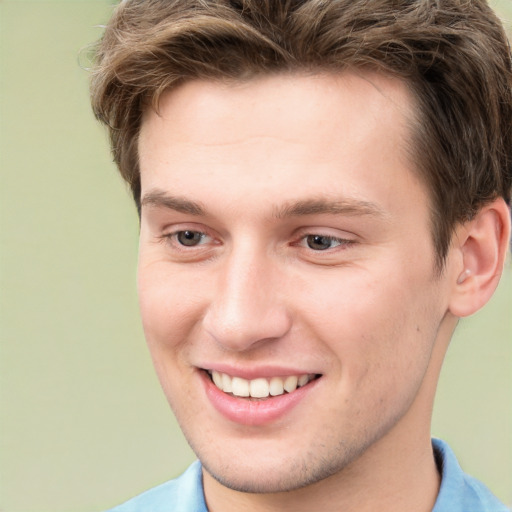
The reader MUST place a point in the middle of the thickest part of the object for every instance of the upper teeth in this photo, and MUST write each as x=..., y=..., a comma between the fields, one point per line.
x=261, y=387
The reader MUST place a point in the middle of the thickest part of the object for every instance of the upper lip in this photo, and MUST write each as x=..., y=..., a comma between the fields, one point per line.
x=254, y=372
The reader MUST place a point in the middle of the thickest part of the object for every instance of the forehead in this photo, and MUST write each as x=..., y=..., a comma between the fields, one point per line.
x=302, y=101
x=294, y=132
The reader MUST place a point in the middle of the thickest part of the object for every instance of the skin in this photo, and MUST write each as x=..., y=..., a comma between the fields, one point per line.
x=235, y=162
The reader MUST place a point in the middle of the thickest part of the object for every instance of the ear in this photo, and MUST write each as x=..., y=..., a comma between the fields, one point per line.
x=480, y=247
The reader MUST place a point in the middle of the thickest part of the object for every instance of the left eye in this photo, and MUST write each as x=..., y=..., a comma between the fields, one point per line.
x=189, y=238
x=322, y=242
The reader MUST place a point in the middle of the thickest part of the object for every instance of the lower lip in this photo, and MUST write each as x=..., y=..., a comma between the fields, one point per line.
x=246, y=411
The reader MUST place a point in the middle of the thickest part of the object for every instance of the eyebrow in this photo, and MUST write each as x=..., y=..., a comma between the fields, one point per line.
x=161, y=199
x=349, y=207
x=315, y=206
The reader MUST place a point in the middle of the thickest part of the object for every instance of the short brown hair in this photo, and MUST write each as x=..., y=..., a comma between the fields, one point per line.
x=453, y=54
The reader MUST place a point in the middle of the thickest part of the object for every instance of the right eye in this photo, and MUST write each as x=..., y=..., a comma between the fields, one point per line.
x=189, y=238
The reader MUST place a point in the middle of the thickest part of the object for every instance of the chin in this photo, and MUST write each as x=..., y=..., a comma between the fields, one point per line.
x=264, y=481
x=264, y=466
x=271, y=471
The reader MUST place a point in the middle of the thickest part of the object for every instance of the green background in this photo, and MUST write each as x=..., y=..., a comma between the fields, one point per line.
x=84, y=424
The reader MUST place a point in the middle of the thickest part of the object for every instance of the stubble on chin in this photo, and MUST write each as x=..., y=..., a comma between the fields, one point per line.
x=286, y=476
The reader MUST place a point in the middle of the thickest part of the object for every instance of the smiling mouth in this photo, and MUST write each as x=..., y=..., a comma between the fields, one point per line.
x=260, y=387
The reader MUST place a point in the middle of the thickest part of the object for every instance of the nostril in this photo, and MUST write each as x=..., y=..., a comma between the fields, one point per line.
x=240, y=329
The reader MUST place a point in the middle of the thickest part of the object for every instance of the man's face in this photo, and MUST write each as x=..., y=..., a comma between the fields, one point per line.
x=284, y=239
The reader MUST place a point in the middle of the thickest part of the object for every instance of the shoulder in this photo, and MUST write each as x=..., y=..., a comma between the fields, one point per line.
x=184, y=494
x=460, y=492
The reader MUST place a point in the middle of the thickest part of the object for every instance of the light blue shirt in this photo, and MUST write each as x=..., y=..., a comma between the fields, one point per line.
x=458, y=493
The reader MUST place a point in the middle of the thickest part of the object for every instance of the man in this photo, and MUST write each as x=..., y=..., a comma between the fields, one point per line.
x=323, y=189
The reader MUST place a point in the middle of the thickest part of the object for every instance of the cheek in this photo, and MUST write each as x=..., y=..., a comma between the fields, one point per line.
x=376, y=327
x=170, y=306
x=169, y=314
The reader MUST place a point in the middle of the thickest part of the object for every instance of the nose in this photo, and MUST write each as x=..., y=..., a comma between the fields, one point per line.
x=248, y=307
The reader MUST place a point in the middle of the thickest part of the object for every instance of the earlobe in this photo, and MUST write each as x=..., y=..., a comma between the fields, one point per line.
x=483, y=244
